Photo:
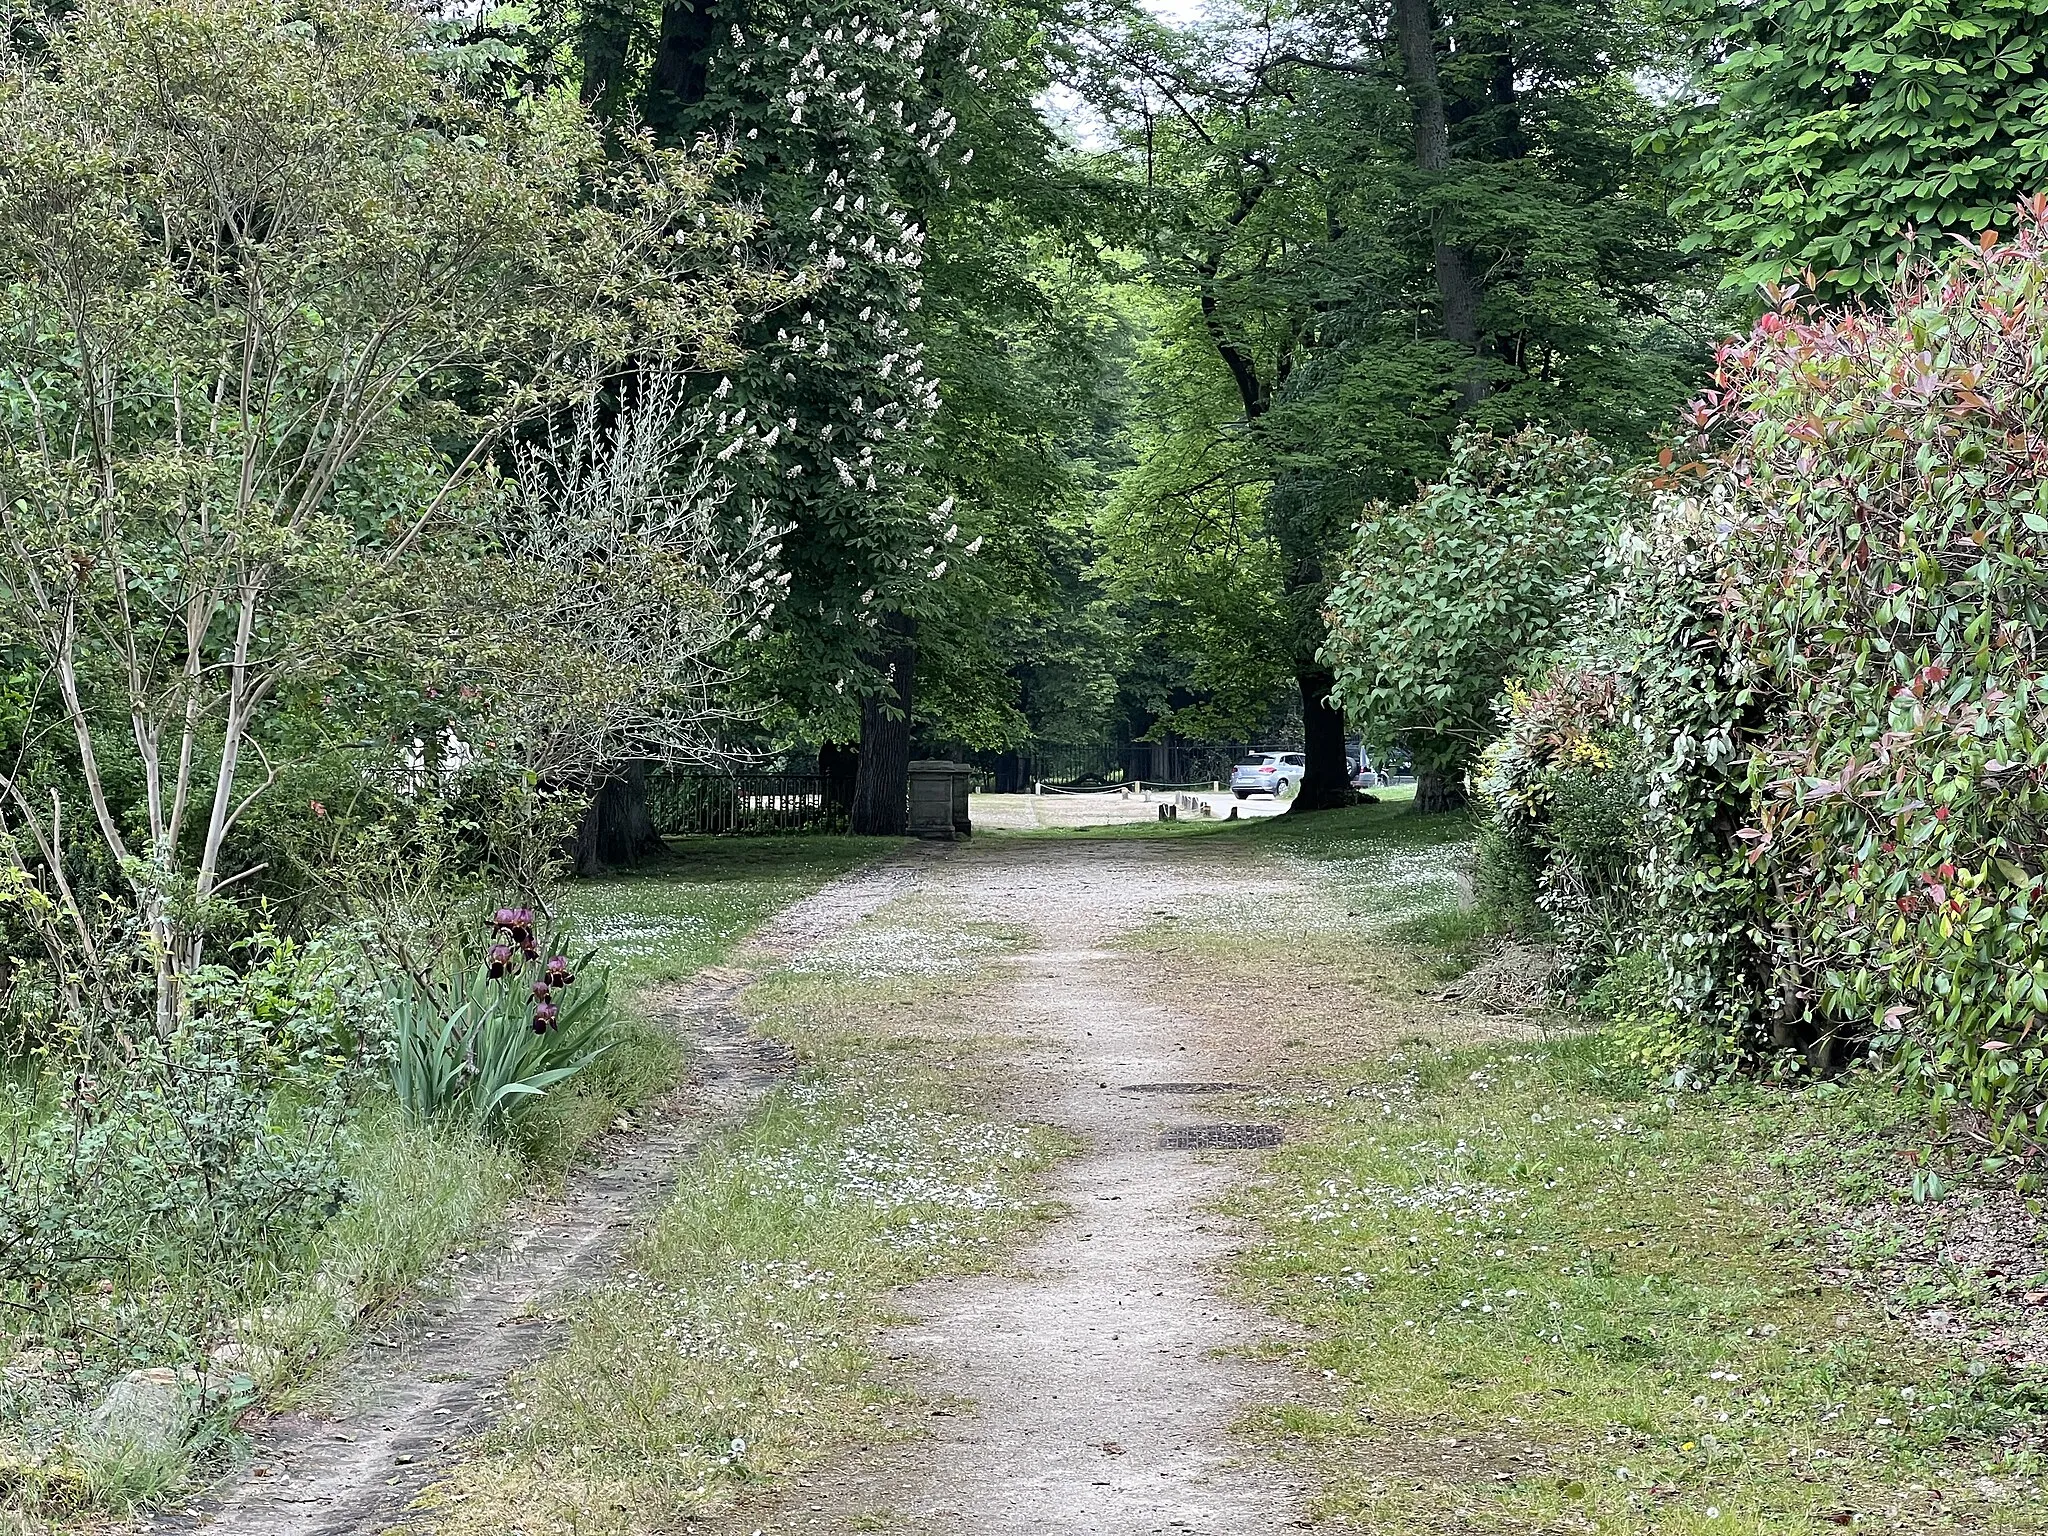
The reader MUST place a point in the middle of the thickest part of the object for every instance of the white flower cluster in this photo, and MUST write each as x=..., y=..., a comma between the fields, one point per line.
x=857, y=97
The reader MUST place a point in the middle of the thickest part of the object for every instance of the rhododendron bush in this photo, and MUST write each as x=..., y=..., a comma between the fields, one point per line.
x=1837, y=634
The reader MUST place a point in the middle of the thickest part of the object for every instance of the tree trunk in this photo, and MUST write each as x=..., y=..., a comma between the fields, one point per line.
x=1324, y=784
x=1438, y=790
x=881, y=794
x=604, y=39
x=839, y=764
x=682, y=63
x=617, y=831
x=1457, y=280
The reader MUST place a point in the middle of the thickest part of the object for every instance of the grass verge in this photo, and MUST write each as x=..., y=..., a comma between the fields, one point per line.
x=1553, y=1303
x=1550, y=1299
x=417, y=1196
x=657, y=927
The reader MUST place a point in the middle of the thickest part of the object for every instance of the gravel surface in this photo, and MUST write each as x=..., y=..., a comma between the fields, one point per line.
x=1094, y=1390
x=1108, y=807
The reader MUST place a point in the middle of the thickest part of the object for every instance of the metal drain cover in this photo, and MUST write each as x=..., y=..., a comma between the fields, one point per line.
x=1189, y=1088
x=1197, y=1138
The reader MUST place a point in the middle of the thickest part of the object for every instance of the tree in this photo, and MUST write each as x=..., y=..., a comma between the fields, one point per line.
x=837, y=116
x=1443, y=599
x=631, y=583
x=906, y=175
x=1838, y=139
x=1016, y=639
x=1385, y=223
x=275, y=293
x=1185, y=538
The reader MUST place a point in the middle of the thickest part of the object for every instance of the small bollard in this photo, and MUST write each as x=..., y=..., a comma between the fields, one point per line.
x=1233, y=814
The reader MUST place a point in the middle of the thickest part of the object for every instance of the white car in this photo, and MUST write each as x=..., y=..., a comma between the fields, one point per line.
x=1270, y=773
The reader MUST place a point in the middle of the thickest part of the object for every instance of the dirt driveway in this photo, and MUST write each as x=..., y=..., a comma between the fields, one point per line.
x=1150, y=995
x=1096, y=1385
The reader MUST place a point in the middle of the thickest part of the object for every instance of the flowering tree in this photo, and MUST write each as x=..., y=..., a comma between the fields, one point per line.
x=275, y=293
x=840, y=119
x=606, y=622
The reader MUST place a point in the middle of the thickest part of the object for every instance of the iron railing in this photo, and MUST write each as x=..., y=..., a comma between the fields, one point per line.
x=682, y=804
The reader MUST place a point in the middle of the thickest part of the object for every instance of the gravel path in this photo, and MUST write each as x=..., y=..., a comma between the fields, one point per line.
x=1098, y=1386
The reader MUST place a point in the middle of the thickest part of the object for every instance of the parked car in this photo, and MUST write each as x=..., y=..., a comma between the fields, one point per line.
x=1269, y=773
x=1364, y=775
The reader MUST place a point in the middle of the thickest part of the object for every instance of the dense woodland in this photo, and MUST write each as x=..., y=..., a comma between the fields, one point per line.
x=417, y=428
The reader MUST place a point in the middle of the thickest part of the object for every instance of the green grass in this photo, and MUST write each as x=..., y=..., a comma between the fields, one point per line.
x=417, y=1193
x=669, y=921
x=739, y=1343
x=1615, y=1307
x=656, y=927
x=1548, y=1299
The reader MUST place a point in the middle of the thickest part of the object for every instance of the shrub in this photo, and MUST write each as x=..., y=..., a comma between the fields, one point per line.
x=143, y=1200
x=1442, y=600
x=1838, y=635
x=1563, y=796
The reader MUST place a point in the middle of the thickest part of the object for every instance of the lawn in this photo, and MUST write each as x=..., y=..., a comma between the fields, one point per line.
x=1551, y=1300
x=671, y=920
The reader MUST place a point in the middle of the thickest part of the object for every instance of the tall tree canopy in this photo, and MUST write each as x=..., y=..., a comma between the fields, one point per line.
x=1372, y=224
x=897, y=156
x=1836, y=139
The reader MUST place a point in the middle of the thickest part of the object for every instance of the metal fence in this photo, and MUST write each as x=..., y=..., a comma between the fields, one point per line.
x=1074, y=765
x=686, y=803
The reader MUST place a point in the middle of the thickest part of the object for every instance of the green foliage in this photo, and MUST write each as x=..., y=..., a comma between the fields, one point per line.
x=473, y=1045
x=301, y=288
x=1561, y=789
x=183, y=1177
x=1303, y=367
x=1441, y=600
x=1831, y=138
x=1847, y=841
x=1630, y=997
x=1184, y=535
x=1694, y=705
x=1018, y=644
